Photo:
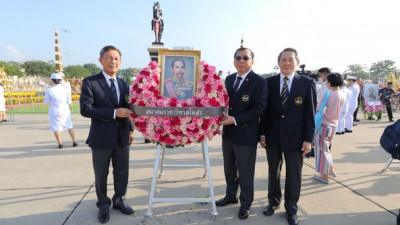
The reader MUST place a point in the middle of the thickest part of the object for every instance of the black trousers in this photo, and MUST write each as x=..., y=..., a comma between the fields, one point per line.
x=101, y=162
x=388, y=108
x=294, y=166
x=239, y=167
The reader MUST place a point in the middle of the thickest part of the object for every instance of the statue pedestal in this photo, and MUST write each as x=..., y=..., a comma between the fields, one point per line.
x=153, y=50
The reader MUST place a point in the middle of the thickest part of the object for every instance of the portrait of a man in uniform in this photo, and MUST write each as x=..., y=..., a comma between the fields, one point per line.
x=179, y=81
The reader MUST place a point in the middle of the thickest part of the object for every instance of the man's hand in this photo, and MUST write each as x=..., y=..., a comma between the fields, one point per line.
x=306, y=148
x=263, y=141
x=228, y=120
x=123, y=113
x=130, y=137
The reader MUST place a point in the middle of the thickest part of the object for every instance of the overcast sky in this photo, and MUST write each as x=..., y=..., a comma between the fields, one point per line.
x=326, y=33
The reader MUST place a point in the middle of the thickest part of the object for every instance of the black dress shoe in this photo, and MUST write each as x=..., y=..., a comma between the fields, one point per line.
x=104, y=215
x=356, y=120
x=243, y=213
x=348, y=131
x=74, y=144
x=270, y=209
x=224, y=202
x=60, y=146
x=125, y=209
x=292, y=220
x=339, y=133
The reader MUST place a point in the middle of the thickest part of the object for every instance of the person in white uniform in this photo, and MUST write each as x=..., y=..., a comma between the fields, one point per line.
x=2, y=104
x=345, y=108
x=60, y=116
x=355, y=89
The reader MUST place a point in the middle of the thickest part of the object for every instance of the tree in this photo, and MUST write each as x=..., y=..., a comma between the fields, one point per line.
x=12, y=68
x=126, y=72
x=76, y=71
x=93, y=68
x=380, y=70
x=39, y=68
x=358, y=70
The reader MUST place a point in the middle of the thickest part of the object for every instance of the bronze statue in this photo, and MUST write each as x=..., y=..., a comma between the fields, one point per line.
x=157, y=24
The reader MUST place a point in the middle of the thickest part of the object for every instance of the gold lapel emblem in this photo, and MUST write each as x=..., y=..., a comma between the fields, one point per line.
x=245, y=98
x=298, y=101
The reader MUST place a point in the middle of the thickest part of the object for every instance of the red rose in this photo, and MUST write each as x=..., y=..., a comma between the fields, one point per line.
x=207, y=88
x=220, y=88
x=173, y=102
x=141, y=103
x=205, y=77
x=175, y=121
x=216, y=77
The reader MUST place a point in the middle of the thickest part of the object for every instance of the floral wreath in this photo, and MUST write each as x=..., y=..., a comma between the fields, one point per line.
x=178, y=131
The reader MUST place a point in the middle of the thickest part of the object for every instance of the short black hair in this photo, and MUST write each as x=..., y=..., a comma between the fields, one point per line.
x=56, y=81
x=389, y=83
x=288, y=50
x=108, y=48
x=175, y=60
x=324, y=70
x=244, y=49
x=335, y=79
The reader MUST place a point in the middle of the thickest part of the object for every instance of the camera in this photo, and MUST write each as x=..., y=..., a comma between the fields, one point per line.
x=308, y=73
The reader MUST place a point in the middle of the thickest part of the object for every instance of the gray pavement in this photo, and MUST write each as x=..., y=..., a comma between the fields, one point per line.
x=40, y=184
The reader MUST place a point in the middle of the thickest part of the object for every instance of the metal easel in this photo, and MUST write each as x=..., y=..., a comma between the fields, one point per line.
x=207, y=171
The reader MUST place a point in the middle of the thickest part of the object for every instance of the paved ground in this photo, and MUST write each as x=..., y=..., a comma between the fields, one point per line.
x=40, y=184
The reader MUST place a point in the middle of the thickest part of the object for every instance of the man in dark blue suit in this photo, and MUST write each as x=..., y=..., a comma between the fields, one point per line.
x=247, y=100
x=287, y=127
x=103, y=99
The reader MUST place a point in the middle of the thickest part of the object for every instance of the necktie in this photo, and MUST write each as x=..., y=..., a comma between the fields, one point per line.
x=236, y=87
x=113, y=90
x=285, y=91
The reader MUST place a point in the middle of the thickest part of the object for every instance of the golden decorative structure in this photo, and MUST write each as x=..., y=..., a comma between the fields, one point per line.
x=391, y=78
x=59, y=66
x=241, y=42
x=5, y=80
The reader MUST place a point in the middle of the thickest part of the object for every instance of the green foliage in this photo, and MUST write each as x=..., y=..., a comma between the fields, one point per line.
x=39, y=68
x=12, y=68
x=126, y=72
x=76, y=71
x=358, y=70
x=382, y=68
x=93, y=68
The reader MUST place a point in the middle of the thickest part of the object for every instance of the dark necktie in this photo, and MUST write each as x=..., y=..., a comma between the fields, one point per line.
x=285, y=91
x=236, y=87
x=113, y=90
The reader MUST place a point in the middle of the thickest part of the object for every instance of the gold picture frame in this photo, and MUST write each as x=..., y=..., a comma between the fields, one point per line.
x=179, y=73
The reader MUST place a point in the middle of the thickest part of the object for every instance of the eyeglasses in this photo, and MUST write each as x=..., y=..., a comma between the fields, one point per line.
x=110, y=59
x=245, y=58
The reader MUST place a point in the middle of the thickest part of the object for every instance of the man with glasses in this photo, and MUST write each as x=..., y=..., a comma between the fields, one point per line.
x=103, y=99
x=287, y=129
x=247, y=100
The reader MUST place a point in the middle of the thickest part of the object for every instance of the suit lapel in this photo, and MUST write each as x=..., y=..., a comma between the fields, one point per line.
x=293, y=92
x=103, y=83
x=229, y=84
x=244, y=85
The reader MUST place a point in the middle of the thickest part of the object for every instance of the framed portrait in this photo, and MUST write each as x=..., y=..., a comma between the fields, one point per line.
x=179, y=73
x=371, y=94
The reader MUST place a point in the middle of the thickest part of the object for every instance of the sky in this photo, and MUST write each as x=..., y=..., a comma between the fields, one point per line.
x=326, y=33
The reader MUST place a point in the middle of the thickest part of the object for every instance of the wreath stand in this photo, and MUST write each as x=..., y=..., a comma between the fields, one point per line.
x=207, y=171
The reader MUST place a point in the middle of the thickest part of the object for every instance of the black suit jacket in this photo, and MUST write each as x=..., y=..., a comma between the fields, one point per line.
x=287, y=128
x=246, y=107
x=97, y=103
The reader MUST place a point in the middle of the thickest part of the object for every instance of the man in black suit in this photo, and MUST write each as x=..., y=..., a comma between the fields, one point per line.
x=287, y=127
x=247, y=100
x=103, y=99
